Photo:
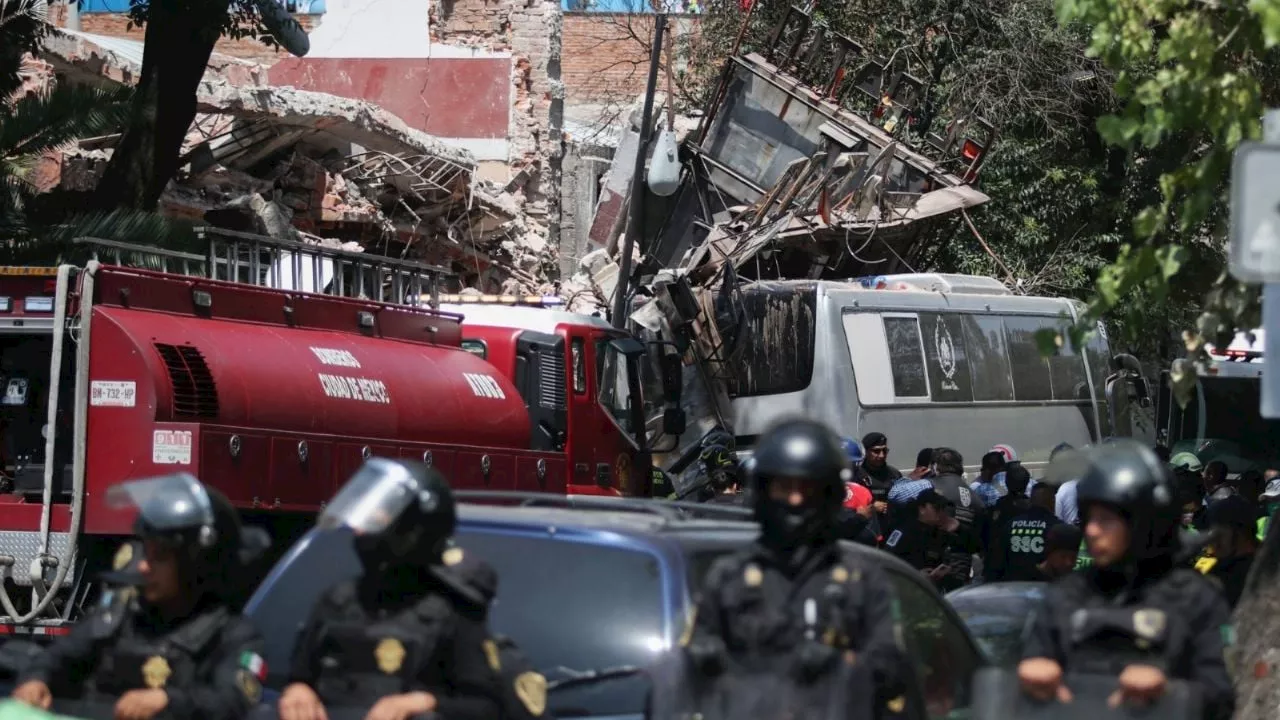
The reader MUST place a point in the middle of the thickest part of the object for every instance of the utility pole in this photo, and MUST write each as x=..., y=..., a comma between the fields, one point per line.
x=635, y=224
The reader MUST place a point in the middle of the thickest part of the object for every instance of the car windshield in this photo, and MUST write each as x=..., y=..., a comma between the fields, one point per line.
x=570, y=606
x=998, y=622
x=577, y=606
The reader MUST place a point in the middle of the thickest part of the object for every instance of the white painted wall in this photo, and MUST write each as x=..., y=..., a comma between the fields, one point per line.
x=382, y=29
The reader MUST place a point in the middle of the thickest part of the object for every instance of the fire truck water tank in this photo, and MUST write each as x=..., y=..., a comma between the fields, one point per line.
x=294, y=379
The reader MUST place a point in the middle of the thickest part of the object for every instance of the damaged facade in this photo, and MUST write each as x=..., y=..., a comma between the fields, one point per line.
x=431, y=135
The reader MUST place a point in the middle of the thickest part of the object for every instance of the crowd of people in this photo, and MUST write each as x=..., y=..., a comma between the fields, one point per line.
x=1003, y=525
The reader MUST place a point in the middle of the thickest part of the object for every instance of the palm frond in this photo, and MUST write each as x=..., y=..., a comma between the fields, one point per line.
x=38, y=123
x=11, y=10
x=54, y=243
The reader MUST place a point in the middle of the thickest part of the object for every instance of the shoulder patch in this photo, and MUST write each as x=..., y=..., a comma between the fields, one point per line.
x=531, y=688
x=250, y=686
x=491, y=654
x=894, y=537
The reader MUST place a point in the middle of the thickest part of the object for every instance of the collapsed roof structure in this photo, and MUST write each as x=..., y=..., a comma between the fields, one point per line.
x=294, y=164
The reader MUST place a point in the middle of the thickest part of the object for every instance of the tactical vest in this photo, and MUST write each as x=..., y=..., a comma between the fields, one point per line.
x=133, y=660
x=790, y=654
x=1104, y=639
x=362, y=660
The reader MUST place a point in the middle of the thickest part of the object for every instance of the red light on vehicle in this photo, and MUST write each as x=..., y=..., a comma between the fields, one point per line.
x=971, y=150
x=51, y=286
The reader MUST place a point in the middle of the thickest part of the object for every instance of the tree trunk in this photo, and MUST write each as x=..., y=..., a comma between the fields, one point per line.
x=1256, y=657
x=179, y=40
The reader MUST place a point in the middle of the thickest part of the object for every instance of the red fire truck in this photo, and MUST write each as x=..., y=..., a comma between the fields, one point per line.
x=587, y=417
x=226, y=366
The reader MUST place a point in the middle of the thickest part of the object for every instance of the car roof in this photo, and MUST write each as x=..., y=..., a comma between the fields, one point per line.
x=988, y=591
x=636, y=517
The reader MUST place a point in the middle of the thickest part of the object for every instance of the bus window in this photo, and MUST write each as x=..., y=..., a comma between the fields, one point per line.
x=988, y=361
x=1066, y=368
x=906, y=356
x=1031, y=380
x=948, y=363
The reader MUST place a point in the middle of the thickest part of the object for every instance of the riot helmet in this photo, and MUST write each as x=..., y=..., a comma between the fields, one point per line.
x=853, y=449
x=195, y=520
x=401, y=512
x=1127, y=476
x=803, y=454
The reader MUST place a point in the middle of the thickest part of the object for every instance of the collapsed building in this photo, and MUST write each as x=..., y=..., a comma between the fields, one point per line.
x=812, y=161
x=296, y=164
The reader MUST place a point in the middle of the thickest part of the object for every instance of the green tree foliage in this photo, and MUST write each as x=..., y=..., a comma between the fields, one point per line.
x=36, y=227
x=1193, y=78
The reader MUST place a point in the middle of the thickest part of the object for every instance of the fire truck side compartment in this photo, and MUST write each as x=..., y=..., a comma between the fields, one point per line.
x=275, y=397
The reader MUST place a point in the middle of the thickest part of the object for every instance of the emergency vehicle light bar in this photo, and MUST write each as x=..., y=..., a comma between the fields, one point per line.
x=534, y=300
x=28, y=271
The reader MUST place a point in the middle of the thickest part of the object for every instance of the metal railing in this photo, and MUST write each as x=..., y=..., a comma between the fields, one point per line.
x=284, y=265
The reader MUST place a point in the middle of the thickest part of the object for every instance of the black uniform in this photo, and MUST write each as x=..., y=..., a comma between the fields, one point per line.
x=925, y=547
x=406, y=624
x=1019, y=547
x=514, y=668
x=200, y=661
x=1142, y=610
x=971, y=511
x=206, y=659
x=792, y=626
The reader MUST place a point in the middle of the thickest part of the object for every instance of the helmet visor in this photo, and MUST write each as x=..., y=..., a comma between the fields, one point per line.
x=372, y=499
x=168, y=503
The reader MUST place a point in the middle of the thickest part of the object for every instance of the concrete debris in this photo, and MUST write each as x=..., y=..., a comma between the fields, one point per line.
x=292, y=163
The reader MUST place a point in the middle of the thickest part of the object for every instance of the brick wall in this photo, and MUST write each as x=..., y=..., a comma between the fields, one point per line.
x=606, y=55
x=117, y=25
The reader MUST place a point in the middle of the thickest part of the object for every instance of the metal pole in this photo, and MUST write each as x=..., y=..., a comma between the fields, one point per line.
x=73, y=14
x=636, y=225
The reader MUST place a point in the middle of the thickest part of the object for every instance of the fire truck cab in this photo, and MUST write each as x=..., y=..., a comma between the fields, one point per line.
x=269, y=369
x=572, y=368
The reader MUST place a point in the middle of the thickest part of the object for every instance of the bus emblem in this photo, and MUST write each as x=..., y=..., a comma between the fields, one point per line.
x=946, y=350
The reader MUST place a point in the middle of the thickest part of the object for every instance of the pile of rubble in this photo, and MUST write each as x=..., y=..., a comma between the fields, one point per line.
x=294, y=164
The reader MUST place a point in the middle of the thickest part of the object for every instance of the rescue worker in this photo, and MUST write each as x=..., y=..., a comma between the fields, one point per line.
x=406, y=637
x=857, y=521
x=781, y=625
x=1133, y=614
x=1232, y=522
x=166, y=645
x=516, y=671
x=1020, y=546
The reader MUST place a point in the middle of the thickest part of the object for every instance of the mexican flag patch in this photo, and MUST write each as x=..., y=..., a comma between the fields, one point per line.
x=254, y=663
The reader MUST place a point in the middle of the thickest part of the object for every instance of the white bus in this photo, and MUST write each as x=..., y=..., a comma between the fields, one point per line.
x=930, y=360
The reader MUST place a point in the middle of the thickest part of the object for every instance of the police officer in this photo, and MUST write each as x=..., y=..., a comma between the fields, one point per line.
x=405, y=638
x=1132, y=614
x=1019, y=547
x=163, y=643
x=781, y=626
x=512, y=665
x=1233, y=523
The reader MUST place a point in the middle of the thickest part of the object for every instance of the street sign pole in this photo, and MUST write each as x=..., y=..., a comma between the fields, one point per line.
x=1271, y=304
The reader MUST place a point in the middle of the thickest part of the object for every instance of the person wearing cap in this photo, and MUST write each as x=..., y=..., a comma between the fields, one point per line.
x=877, y=473
x=1232, y=520
x=1134, y=615
x=164, y=641
x=931, y=538
x=405, y=637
